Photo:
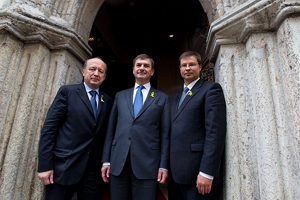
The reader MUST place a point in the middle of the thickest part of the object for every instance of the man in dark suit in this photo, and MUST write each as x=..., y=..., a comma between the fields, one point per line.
x=137, y=140
x=198, y=128
x=72, y=137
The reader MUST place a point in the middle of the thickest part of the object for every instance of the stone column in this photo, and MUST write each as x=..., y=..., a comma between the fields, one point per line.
x=257, y=57
x=42, y=46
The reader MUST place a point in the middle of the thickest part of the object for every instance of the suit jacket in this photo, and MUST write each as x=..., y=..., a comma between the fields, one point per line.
x=70, y=132
x=144, y=138
x=198, y=131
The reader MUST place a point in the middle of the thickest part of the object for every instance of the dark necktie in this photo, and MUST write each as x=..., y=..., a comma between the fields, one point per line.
x=138, y=102
x=93, y=102
x=186, y=89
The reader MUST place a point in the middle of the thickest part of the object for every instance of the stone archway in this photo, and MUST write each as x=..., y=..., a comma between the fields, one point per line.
x=254, y=45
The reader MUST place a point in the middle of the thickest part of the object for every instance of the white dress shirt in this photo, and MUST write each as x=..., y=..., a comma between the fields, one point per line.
x=191, y=85
x=145, y=91
x=88, y=89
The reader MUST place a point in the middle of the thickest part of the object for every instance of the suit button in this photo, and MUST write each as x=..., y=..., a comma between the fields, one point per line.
x=94, y=124
x=129, y=138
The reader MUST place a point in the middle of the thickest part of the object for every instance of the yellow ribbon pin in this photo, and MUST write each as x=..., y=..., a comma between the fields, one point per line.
x=102, y=99
x=152, y=94
x=190, y=93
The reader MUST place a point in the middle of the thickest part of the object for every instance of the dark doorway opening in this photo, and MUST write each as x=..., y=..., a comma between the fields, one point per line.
x=162, y=29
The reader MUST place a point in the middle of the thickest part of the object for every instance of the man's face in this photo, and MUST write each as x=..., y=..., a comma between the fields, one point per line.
x=94, y=73
x=189, y=69
x=142, y=70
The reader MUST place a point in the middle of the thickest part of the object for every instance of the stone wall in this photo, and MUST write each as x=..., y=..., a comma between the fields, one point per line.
x=42, y=46
x=257, y=55
x=31, y=75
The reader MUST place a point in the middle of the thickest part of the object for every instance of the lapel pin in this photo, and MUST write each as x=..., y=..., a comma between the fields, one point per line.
x=190, y=93
x=102, y=99
x=152, y=95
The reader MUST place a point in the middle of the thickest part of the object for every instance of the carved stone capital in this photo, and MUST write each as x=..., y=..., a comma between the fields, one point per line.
x=31, y=29
x=250, y=17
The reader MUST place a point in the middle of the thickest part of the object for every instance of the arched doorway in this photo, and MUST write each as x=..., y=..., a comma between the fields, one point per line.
x=55, y=51
x=162, y=29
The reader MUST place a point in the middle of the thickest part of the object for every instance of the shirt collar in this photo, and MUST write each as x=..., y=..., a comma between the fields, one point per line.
x=191, y=85
x=88, y=89
x=147, y=86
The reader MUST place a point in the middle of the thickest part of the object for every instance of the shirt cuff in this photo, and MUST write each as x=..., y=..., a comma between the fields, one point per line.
x=106, y=163
x=164, y=169
x=206, y=176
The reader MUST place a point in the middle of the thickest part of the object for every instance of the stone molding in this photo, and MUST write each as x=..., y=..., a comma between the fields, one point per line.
x=260, y=80
x=31, y=29
x=30, y=76
x=252, y=16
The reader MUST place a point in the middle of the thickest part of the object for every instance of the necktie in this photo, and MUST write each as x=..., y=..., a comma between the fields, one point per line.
x=186, y=89
x=138, y=101
x=93, y=102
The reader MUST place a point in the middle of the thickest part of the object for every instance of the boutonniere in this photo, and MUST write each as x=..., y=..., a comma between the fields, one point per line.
x=190, y=93
x=152, y=95
x=102, y=99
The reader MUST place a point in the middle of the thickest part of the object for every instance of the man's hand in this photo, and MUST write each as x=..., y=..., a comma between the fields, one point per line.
x=162, y=176
x=105, y=170
x=46, y=177
x=203, y=184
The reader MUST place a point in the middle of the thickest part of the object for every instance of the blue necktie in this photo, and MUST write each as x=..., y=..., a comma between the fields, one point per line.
x=138, y=102
x=93, y=102
x=186, y=89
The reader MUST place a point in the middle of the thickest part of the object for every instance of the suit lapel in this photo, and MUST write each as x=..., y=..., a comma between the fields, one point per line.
x=150, y=98
x=101, y=101
x=176, y=101
x=129, y=99
x=188, y=97
x=84, y=97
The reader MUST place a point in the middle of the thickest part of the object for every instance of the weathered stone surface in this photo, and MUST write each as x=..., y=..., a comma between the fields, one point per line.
x=31, y=87
x=251, y=17
x=262, y=147
x=57, y=24
x=260, y=76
